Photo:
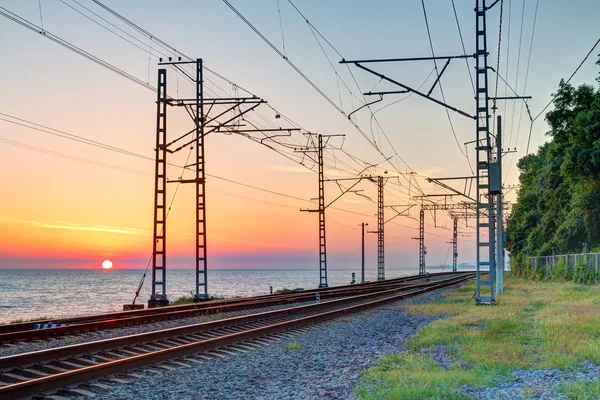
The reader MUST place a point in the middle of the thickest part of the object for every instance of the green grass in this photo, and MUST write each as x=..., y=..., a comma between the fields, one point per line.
x=19, y=321
x=293, y=346
x=182, y=300
x=190, y=299
x=581, y=390
x=285, y=290
x=534, y=325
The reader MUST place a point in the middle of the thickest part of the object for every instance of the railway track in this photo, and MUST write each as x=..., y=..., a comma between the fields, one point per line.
x=22, y=332
x=31, y=373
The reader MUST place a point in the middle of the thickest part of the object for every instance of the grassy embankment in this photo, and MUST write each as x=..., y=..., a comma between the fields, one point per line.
x=534, y=325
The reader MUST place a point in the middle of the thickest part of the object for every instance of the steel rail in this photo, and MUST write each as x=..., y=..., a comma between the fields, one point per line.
x=86, y=347
x=138, y=320
x=125, y=314
x=169, y=313
x=38, y=385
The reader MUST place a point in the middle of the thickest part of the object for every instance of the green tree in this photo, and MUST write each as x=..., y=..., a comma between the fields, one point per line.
x=558, y=206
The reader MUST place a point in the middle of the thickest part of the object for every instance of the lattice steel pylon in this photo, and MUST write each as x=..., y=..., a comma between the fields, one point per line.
x=381, y=221
x=486, y=190
x=454, y=243
x=380, y=231
x=199, y=108
x=422, y=250
x=322, y=237
x=380, y=228
x=321, y=144
x=158, y=296
x=201, y=259
x=486, y=248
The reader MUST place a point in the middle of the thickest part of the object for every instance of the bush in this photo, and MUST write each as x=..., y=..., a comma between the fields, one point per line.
x=583, y=274
x=561, y=271
x=539, y=273
x=518, y=264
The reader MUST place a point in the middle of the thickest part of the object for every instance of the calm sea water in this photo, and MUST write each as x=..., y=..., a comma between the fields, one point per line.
x=53, y=293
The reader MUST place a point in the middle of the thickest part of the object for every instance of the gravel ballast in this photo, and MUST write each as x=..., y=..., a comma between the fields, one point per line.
x=520, y=384
x=41, y=344
x=537, y=384
x=328, y=365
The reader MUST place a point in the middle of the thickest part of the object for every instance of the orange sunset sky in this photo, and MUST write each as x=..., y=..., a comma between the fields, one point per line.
x=66, y=204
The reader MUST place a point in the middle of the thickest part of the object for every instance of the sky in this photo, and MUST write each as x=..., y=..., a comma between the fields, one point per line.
x=66, y=204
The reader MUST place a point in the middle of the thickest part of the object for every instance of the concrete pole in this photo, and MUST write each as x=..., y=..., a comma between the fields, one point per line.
x=499, y=216
x=362, y=270
x=500, y=247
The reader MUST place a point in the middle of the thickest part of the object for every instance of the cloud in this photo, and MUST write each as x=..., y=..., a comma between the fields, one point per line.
x=73, y=227
x=427, y=169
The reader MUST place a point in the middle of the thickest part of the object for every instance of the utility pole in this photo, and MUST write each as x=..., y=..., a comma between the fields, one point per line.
x=362, y=269
x=422, y=248
x=380, y=232
x=454, y=210
x=421, y=239
x=486, y=179
x=198, y=108
x=454, y=243
x=380, y=229
x=486, y=249
x=381, y=221
x=321, y=144
x=158, y=298
x=322, y=238
x=321, y=211
x=499, y=215
x=201, y=259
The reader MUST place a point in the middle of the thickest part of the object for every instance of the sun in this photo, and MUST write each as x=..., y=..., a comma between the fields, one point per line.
x=107, y=264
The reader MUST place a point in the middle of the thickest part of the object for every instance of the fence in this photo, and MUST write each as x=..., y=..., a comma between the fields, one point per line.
x=548, y=263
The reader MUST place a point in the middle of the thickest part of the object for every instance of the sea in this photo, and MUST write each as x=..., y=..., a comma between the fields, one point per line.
x=54, y=293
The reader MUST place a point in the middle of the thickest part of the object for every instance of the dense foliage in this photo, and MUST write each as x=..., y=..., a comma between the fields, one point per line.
x=558, y=206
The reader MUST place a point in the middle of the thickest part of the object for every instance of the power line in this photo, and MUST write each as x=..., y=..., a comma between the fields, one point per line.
x=494, y=108
x=171, y=48
x=462, y=42
x=524, y=88
x=518, y=69
x=281, y=27
x=31, y=26
x=527, y=68
x=68, y=136
x=63, y=42
x=507, y=52
x=70, y=157
x=465, y=154
x=84, y=140
x=267, y=41
x=305, y=77
x=373, y=117
x=559, y=92
x=568, y=80
x=108, y=29
x=87, y=141
x=165, y=45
